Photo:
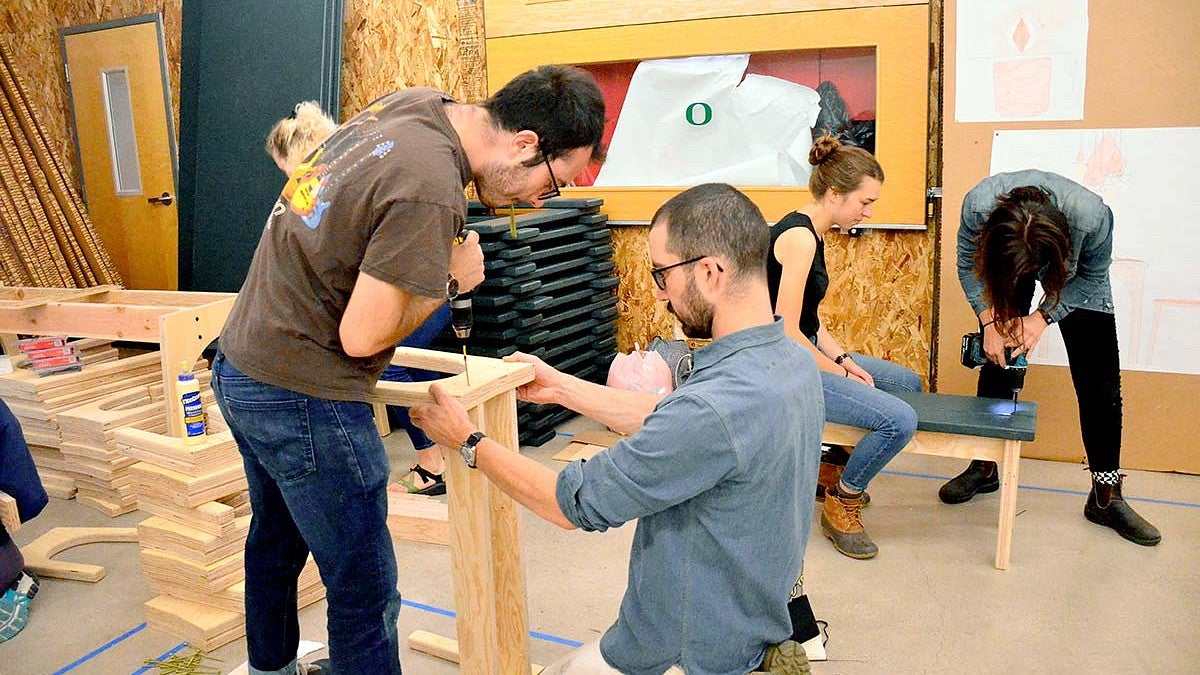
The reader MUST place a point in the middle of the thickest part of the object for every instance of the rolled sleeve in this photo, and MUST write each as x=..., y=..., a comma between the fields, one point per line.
x=684, y=448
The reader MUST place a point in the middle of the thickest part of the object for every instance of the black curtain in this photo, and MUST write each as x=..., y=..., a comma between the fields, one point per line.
x=244, y=65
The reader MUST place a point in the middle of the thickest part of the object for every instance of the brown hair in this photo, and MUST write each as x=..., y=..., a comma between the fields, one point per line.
x=717, y=219
x=838, y=167
x=1023, y=234
x=562, y=104
x=294, y=137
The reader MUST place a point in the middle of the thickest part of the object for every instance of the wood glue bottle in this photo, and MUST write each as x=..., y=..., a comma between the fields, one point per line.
x=188, y=390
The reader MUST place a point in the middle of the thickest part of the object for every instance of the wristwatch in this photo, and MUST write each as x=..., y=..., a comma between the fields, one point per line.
x=451, y=287
x=467, y=449
x=843, y=357
x=1045, y=316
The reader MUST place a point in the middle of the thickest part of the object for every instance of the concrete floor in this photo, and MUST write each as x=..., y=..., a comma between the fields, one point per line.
x=1077, y=599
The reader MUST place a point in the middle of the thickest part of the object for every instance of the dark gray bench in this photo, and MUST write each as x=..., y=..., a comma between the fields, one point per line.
x=967, y=427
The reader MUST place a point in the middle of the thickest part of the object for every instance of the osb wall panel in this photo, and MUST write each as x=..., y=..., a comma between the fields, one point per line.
x=389, y=45
x=879, y=302
x=29, y=29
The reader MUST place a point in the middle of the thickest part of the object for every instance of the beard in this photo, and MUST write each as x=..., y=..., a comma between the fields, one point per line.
x=495, y=185
x=696, y=322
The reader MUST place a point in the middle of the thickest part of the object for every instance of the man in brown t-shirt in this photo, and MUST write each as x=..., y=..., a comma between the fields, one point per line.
x=356, y=253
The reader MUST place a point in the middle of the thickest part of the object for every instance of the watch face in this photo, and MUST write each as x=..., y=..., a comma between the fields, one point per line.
x=451, y=287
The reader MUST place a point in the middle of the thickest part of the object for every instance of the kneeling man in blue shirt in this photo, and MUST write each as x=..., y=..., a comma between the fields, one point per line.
x=720, y=473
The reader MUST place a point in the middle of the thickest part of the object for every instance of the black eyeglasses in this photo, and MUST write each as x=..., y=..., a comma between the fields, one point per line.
x=553, y=191
x=659, y=274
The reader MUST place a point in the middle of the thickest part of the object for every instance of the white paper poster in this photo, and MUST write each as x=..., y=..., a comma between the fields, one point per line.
x=703, y=119
x=1020, y=60
x=1148, y=177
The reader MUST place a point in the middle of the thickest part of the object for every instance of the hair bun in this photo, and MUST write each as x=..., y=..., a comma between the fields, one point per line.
x=822, y=149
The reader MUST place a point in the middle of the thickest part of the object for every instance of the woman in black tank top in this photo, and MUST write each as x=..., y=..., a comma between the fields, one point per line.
x=845, y=183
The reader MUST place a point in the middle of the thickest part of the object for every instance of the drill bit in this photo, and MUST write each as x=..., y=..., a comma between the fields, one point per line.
x=467, y=371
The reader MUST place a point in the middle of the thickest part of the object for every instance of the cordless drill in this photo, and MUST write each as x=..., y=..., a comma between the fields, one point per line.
x=972, y=356
x=462, y=314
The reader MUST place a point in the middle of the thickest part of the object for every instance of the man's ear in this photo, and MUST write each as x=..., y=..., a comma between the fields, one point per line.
x=710, y=276
x=524, y=145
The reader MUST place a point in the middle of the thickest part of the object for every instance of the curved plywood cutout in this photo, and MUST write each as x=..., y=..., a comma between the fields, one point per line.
x=39, y=554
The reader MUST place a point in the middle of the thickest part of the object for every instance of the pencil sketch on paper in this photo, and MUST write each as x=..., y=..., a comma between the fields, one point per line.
x=1020, y=60
x=1156, y=292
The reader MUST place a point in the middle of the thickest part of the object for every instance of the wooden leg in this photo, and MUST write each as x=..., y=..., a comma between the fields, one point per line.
x=381, y=419
x=470, y=560
x=508, y=566
x=1009, y=471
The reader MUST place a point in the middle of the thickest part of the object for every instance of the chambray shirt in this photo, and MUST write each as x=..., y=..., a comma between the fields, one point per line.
x=721, y=476
x=1091, y=223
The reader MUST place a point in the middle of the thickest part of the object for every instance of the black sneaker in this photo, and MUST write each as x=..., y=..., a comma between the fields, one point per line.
x=980, y=476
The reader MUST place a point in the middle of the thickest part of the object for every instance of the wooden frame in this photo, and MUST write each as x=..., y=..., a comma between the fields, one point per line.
x=485, y=542
x=900, y=35
x=182, y=323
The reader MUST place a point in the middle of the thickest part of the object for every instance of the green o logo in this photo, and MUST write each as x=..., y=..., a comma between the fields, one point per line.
x=705, y=110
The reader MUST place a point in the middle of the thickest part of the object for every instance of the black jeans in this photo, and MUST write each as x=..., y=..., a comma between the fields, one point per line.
x=1091, y=341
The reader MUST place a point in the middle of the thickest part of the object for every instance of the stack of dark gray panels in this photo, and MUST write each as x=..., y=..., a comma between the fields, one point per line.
x=551, y=292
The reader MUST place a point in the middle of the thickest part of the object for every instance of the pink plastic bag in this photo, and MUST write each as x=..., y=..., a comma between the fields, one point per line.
x=640, y=371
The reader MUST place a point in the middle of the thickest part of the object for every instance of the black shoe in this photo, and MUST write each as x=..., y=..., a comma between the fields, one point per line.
x=981, y=476
x=837, y=455
x=1105, y=506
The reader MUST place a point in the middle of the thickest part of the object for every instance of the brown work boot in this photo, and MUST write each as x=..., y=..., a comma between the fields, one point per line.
x=841, y=521
x=829, y=476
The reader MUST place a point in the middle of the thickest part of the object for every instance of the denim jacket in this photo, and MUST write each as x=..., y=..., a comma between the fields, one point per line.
x=720, y=478
x=1091, y=224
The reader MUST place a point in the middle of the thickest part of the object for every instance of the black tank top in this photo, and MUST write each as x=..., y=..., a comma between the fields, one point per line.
x=818, y=278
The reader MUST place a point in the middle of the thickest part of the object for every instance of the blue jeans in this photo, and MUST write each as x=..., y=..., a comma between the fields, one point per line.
x=890, y=421
x=421, y=337
x=318, y=482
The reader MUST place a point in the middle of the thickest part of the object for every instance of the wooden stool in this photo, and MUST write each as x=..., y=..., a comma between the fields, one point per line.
x=967, y=427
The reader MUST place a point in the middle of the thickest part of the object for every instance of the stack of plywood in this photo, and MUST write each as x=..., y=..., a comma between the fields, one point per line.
x=100, y=469
x=192, y=546
x=37, y=402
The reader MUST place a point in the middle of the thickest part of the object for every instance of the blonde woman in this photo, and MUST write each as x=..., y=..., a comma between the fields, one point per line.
x=296, y=136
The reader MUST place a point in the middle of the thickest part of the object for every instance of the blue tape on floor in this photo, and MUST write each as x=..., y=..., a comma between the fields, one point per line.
x=1038, y=488
x=165, y=655
x=534, y=634
x=100, y=650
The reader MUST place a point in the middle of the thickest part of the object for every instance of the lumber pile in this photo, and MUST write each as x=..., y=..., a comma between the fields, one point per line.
x=100, y=469
x=37, y=401
x=192, y=546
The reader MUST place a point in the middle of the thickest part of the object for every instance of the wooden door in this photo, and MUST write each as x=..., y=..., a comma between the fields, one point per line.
x=116, y=76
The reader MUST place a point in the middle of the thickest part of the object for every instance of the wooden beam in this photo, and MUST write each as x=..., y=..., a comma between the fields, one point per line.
x=445, y=648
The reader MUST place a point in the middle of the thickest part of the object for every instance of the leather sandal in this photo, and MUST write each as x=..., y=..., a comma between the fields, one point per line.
x=430, y=483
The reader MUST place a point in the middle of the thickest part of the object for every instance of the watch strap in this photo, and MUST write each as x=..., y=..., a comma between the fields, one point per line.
x=468, y=448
